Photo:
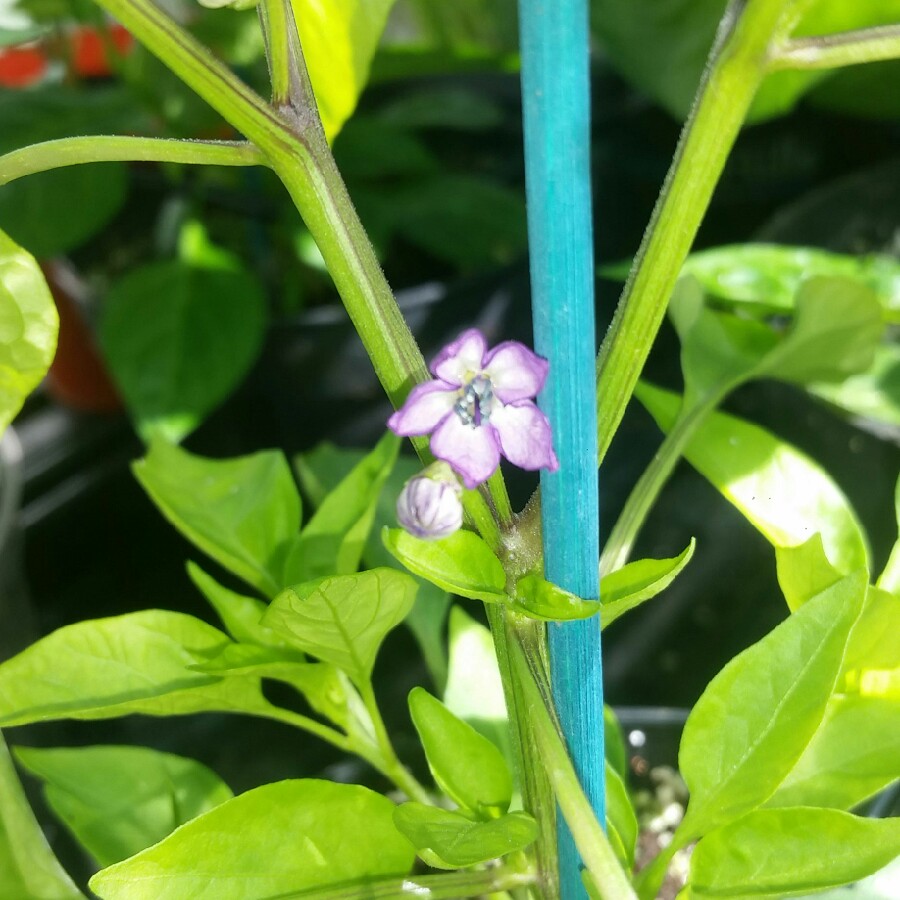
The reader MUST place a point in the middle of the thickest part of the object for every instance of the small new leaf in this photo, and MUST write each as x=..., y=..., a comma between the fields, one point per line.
x=466, y=766
x=462, y=564
x=448, y=840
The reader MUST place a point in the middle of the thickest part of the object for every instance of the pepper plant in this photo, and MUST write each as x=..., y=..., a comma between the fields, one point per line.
x=791, y=735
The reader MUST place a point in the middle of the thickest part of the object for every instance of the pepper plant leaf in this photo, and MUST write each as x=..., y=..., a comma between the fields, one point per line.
x=333, y=540
x=781, y=491
x=804, y=571
x=448, y=840
x=764, y=278
x=137, y=663
x=343, y=620
x=240, y=615
x=179, y=336
x=339, y=39
x=757, y=716
x=538, y=598
x=637, y=581
x=775, y=853
x=319, y=472
x=621, y=821
x=117, y=801
x=28, y=868
x=243, y=512
x=466, y=766
x=474, y=691
x=28, y=328
x=461, y=564
x=277, y=840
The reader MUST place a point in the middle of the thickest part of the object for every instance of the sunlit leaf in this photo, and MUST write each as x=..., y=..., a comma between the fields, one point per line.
x=118, y=801
x=276, y=840
x=28, y=328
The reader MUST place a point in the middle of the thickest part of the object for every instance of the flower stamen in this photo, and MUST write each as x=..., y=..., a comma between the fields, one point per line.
x=475, y=401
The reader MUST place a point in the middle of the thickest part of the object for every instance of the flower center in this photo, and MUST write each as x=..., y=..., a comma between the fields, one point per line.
x=475, y=401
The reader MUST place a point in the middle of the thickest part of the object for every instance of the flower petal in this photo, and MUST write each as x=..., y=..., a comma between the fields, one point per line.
x=516, y=372
x=461, y=358
x=472, y=450
x=526, y=438
x=424, y=408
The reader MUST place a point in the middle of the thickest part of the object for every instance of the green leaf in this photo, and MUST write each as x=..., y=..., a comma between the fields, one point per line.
x=856, y=749
x=343, y=620
x=836, y=329
x=320, y=471
x=136, y=663
x=179, y=336
x=804, y=571
x=275, y=840
x=852, y=756
x=474, y=690
x=614, y=741
x=28, y=868
x=889, y=580
x=873, y=395
x=466, y=766
x=243, y=512
x=461, y=564
x=774, y=853
x=118, y=801
x=681, y=33
x=28, y=328
x=448, y=840
x=332, y=542
x=541, y=599
x=758, y=714
x=325, y=688
x=239, y=614
x=638, y=581
x=621, y=821
x=781, y=491
x=56, y=211
x=339, y=39
x=765, y=278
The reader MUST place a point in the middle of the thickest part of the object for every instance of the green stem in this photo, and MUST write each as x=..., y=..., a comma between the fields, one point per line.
x=200, y=70
x=739, y=63
x=644, y=494
x=509, y=630
x=832, y=51
x=390, y=764
x=448, y=886
x=649, y=880
x=590, y=837
x=274, y=20
x=104, y=148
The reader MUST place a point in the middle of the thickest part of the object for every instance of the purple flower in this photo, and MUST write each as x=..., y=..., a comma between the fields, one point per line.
x=429, y=505
x=480, y=406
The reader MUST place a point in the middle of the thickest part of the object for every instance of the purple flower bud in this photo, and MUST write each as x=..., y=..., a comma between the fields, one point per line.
x=429, y=506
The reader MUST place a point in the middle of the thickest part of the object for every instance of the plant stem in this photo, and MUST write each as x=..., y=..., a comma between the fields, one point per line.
x=739, y=63
x=590, y=838
x=390, y=763
x=650, y=878
x=273, y=18
x=105, y=148
x=832, y=51
x=448, y=886
x=326, y=733
x=644, y=494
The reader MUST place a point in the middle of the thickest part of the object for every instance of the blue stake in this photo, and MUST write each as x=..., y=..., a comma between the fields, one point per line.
x=556, y=110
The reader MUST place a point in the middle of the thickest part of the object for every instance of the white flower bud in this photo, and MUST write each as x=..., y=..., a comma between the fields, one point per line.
x=429, y=506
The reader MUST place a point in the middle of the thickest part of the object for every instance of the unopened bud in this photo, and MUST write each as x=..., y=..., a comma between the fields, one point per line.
x=429, y=506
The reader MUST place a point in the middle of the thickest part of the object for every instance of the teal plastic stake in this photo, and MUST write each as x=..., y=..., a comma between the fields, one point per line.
x=556, y=111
